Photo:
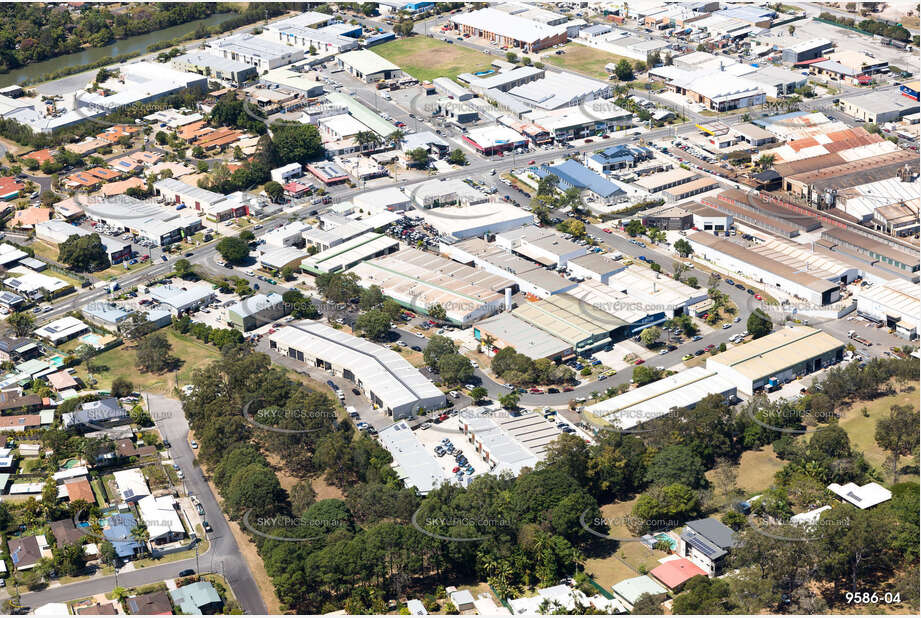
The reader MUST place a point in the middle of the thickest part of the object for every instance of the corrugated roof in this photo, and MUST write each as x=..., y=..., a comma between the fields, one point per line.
x=775, y=352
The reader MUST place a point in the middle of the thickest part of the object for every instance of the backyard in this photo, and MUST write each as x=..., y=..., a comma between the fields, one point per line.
x=425, y=58
x=120, y=362
x=583, y=59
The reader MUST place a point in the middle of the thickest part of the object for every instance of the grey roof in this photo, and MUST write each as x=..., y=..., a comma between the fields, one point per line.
x=201, y=59
x=423, y=140
x=715, y=532
x=525, y=338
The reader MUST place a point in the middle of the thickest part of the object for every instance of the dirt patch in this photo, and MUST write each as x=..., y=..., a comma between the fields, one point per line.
x=326, y=491
x=285, y=480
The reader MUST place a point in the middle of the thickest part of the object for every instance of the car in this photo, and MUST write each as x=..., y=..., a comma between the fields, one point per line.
x=639, y=361
x=187, y=573
x=696, y=338
x=416, y=348
x=710, y=347
x=700, y=352
x=552, y=390
x=568, y=430
x=207, y=526
x=758, y=297
x=535, y=391
x=687, y=357
x=200, y=509
x=740, y=286
x=166, y=443
x=469, y=470
x=730, y=282
x=175, y=466
x=455, y=469
x=567, y=389
x=193, y=444
x=180, y=475
x=425, y=425
x=188, y=254
x=750, y=292
x=663, y=351
x=727, y=325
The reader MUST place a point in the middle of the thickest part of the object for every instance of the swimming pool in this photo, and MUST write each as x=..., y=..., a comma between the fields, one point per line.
x=92, y=339
x=672, y=543
x=482, y=73
x=56, y=360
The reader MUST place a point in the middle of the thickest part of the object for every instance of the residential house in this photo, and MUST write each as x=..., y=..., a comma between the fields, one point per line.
x=151, y=604
x=25, y=552
x=706, y=543
x=197, y=598
x=92, y=413
x=131, y=485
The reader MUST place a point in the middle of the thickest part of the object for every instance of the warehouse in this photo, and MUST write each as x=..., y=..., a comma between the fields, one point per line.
x=572, y=174
x=543, y=245
x=617, y=157
x=215, y=66
x=182, y=299
x=819, y=186
x=718, y=90
x=805, y=50
x=389, y=199
x=707, y=218
x=901, y=261
x=256, y=51
x=530, y=277
x=384, y=376
x=177, y=192
x=597, y=266
x=879, y=107
x=583, y=327
x=311, y=30
x=412, y=462
x=256, y=311
x=449, y=87
x=503, y=81
x=504, y=29
x=785, y=354
x=656, y=292
x=685, y=389
x=294, y=81
x=668, y=218
x=635, y=314
x=494, y=139
x=557, y=90
x=419, y=281
x=505, y=330
x=347, y=254
x=105, y=315
x=458, y=223
x=368, y=66
x=509, y=444
x=585, y=120
x=896, y=304
x=690, y=189
x=665, y=180
x=810, y=276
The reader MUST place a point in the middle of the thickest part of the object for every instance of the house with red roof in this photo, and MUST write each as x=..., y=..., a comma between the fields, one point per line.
x=10, y=188
x=674, y=574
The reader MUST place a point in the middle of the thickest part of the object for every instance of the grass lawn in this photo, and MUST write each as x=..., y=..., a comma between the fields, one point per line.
x=861, y=429
x=756, y=470
x=425, y=58
x=119, y=362
x=583, y=59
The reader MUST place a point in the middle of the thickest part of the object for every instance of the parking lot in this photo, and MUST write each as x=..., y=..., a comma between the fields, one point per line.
x=433, y=436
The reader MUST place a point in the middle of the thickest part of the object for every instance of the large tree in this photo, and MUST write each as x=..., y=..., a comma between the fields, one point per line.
x=373, y=324
x=759, y=324
x=233, y=249
x=84, y=253
x=898, y=434
x=21, y=322
x=297, y=143
x=153, y=354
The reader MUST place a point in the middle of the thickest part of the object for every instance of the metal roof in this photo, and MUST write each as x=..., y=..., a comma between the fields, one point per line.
x=775, y=352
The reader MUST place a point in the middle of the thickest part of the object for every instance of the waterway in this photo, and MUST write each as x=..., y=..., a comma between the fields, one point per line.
x=93, y=54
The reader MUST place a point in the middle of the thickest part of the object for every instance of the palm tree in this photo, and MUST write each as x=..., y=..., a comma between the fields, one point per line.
x=765, y=161
x=141, y=535
x=366, y=138
x=396, y=137
x=119, y=594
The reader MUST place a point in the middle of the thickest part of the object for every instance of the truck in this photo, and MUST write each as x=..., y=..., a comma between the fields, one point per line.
x=773, y=384
x=852, y=334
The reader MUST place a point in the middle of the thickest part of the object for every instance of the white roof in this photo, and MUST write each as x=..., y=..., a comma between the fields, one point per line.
x=381, y=370
x=351, y=252
x=62, y=328
x=513, y=443
x=281, y=257
x=897, y=297
x=718, y=85
x=254, y=46
x=391, y=197
x=810, y=517
x=414, y=463
x=656, y=399
x=70, y=473
x=654, y=291
x=343, y=125
x=456, y=221
x=499, y=22
x=9, y=253
x=28, y=281
x=864, y=497
x=555, y=90
x=366, y=62
x=497, y=135
x=131, y=484
x=160, y=516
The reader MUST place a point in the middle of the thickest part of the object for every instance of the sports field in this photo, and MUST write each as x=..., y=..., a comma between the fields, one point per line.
x=425, y=58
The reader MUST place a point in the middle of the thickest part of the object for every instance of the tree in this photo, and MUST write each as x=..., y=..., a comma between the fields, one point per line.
x=161, y=137
x=437, y=347
x=233, y=249
x=511, y=56
x=455, y=368
x=509, y=401
x=182, y=267
x=437, y=312
x=22, y=323
x=650, y=335
x=274, y=190
x=759, y=324
x=371, y=298
x=574, y=227
x=648, y=605
x=677, y=464
x=338, y=287
x=765, y=162
x=373, y=324
x=247, y=236
x=301, y=306
x=624, y=70
x=153, y=354
x=84, y=253
x=635, y=228
x=121, y=387
x=898, y=434
x=457, y=157
x=296, y=142
x=643, y=375
x=791, y=29
x=478, y=394
x=683, y=247
x=419, y=157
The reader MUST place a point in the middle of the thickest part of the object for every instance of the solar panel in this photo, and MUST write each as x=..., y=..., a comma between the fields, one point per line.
x=703, y=546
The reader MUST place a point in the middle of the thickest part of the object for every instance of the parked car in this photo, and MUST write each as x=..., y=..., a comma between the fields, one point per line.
x=187, y=573
x=207, y=526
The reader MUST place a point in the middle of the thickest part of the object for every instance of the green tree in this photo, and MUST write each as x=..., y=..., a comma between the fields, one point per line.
x=759, y=324
x=898, y=434
x=635, y=228
x=22, y=323
x=437, y=347
x=274, y=190
x=683, y=247
x=296, y=142
x=371, y=298
x=648, y=336
x=454, y=368
x=153, y=354
x=373, y=324
x=677, y=464
x=121, y=387
x=182, y=267
x=478, y=394
x=624, y=70
x=84, y=253
x=338, y=287
x=509, y=401
x=419, y=157
x=233, y=249
x=457, y=157
x=437, y=312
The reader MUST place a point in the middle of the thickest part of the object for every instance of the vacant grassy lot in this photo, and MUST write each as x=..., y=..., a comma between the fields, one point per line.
x=119, y=362
x=425, y=58
x=861, y=429
x=583, y=59
x=755, y=471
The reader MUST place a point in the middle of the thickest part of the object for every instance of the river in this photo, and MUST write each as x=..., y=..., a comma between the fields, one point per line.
x=92, y=54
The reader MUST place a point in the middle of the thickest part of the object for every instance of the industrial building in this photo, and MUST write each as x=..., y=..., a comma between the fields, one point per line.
x=460, y=222
x=553, y=91
x=716, y=90
x=783, y=355
x=660, y=181
x=182, y=299
x=690, y=189
x=384, y=376
x=256, y=51
x=805, y=50
x=597, y=266
x=419, y=280
x=587, y=119
x=617, y=157
x=494, y=139
x=219, y=67
x=56, y=231
x=792, y=268
x=896, y=304
x=504, y=29
x=879, y=107
x=530, y=277
x=656, y=292
x=508, y=444
x=412, y=462
x=543, y=245
x=573, y=175
x=685, y=389
x=105, y=315
x=368, y=66
x=343, y=256
x=901, y=261
x=311, y=30
x=583, y=327
x=505, y=330
x=389, y=199
x=256, y=311
x=293, y=81
x=819, y=186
